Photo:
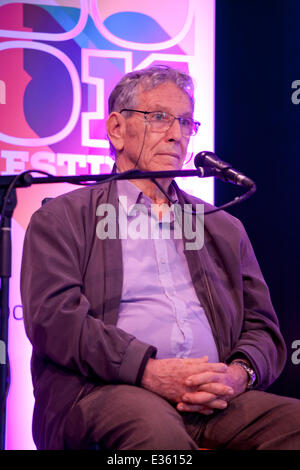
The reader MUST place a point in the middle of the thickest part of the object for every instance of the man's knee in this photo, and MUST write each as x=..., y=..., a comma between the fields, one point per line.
x=149, y=422
x=256, y=420
x=127, y=417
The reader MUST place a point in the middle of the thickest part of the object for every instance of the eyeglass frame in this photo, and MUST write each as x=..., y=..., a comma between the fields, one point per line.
x=196, y=124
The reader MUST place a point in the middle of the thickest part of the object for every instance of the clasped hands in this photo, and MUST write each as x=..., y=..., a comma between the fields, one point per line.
x=194, y=384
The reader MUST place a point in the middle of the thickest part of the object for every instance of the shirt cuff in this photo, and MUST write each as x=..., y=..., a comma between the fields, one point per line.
x=151, y=353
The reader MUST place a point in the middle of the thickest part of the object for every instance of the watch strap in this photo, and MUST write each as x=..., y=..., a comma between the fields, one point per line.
x=249, y=370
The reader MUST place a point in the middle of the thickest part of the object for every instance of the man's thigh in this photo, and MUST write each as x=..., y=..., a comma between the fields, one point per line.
x=126, y=417
x=253, y=420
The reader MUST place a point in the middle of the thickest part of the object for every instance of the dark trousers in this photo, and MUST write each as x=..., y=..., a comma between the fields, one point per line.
x=121, y=417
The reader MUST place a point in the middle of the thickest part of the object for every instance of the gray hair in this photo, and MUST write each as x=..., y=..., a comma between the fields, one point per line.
x=125, y=93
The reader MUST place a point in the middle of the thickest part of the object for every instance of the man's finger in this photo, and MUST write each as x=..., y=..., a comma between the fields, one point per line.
x=198, y=398
x=199, y=407
x=194, y=409
x=217, y=367
x=216, y=388
x=207, y=376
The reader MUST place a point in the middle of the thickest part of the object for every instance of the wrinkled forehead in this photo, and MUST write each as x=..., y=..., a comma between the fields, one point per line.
x=146, y=89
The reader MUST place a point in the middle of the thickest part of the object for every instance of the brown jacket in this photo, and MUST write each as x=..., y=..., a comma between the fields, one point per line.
x=71, y=286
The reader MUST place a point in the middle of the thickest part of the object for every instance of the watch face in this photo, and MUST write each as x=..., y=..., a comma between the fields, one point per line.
x=252, y=377
x=251, y=381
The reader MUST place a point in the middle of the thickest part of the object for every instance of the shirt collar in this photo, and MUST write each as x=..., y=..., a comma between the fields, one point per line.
x=135, y=196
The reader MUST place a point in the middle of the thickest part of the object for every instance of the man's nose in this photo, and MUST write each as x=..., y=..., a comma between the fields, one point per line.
x=174, y=132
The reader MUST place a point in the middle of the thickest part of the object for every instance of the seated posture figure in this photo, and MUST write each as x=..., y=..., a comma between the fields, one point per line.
x=149, y=329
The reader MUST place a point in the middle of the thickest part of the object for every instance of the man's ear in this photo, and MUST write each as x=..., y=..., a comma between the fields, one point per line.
x=116, y=127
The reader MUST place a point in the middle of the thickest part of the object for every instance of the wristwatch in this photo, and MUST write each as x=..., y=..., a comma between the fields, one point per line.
x=250, y=372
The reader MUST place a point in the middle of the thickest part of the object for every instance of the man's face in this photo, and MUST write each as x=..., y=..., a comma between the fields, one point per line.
x=154, y=151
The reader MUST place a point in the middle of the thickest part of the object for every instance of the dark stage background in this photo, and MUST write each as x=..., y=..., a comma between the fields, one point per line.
x=257, y=119
x=59, y=62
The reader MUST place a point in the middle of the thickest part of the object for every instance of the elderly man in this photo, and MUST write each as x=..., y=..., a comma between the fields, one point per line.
x=139, y=342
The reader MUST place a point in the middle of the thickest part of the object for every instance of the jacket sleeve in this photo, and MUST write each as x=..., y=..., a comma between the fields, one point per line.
x=57, y=315
x=260, y=341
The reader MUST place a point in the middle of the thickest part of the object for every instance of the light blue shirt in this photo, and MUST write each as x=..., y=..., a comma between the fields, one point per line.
x=159, y=305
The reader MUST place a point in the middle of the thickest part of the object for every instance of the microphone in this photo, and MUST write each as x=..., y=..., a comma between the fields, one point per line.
x=223, y=170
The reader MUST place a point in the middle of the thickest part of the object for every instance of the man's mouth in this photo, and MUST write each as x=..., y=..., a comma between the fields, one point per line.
x=170, y=154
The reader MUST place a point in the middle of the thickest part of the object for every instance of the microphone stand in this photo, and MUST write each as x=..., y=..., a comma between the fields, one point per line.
x=5, y=274
x=8, y=202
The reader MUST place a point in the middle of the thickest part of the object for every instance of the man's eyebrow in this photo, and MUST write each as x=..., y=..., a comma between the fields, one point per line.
x=187, y=114
x=167, y=110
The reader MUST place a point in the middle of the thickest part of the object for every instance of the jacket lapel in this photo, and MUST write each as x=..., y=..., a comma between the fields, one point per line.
x=113, y=265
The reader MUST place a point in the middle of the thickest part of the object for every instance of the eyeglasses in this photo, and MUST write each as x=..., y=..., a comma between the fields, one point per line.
x=160, y=121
